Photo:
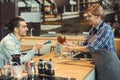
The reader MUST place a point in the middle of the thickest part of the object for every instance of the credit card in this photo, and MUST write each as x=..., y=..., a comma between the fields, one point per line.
x=48, y=42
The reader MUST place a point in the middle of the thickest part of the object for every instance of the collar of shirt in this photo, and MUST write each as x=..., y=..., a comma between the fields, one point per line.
x=100, y=25
x=14, y=38
x=95, y=29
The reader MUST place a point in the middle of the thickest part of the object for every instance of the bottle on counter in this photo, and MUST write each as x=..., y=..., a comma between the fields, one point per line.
x=42, y=67
x=5, y=70
x=58, y=49
x=32, y=68
x=50, y=68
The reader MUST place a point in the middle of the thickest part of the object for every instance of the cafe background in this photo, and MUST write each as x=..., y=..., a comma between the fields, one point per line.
x=47, y=18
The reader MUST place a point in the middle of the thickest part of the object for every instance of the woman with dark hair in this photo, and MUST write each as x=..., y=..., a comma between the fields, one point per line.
x=10, y=44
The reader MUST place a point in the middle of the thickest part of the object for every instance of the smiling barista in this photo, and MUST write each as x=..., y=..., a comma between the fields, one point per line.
x=100, y=43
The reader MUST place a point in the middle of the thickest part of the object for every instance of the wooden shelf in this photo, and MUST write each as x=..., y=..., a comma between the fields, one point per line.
x=88, y=2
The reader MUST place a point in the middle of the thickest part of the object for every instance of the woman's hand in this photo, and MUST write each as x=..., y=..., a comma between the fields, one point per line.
x=68, y=44
x=68, y=48
x=77, y=48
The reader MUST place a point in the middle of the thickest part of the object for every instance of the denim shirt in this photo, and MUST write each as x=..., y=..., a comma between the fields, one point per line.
x=104, y=39
x=10, y=45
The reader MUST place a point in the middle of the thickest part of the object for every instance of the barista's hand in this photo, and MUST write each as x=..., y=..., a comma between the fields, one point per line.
x=67, y=49
x=68, y=44
x=77, y=48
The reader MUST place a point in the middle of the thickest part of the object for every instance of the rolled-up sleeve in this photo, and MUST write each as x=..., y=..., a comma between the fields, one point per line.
x=28, y=56
x=11, y=48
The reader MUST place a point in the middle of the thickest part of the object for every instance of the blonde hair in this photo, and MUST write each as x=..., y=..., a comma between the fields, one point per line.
x=96, y=9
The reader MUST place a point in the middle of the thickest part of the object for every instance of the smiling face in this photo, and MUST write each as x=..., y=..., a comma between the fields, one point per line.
x=22, y=29
x=93, y=19
x=94, y=14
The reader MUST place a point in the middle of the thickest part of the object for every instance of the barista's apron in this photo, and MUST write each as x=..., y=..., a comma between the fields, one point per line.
x=107, y=64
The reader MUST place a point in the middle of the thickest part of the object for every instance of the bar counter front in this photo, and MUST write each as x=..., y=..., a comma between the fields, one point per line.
x=67, y=68
x=76, y=69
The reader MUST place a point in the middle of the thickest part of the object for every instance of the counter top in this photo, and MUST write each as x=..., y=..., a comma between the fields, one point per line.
x=26, y=47
x=78, y=69
x=79, y=39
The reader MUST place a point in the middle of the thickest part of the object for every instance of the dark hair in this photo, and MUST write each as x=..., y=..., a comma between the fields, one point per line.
x=14, y=23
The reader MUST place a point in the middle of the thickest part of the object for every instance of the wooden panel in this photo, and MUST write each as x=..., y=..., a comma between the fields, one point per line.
x=8, y=10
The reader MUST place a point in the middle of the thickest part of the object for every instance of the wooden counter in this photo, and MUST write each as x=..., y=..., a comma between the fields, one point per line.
x=64, y=67
x=26, y=47
x=79, y=69
x=117, y=46
x=73, y=39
